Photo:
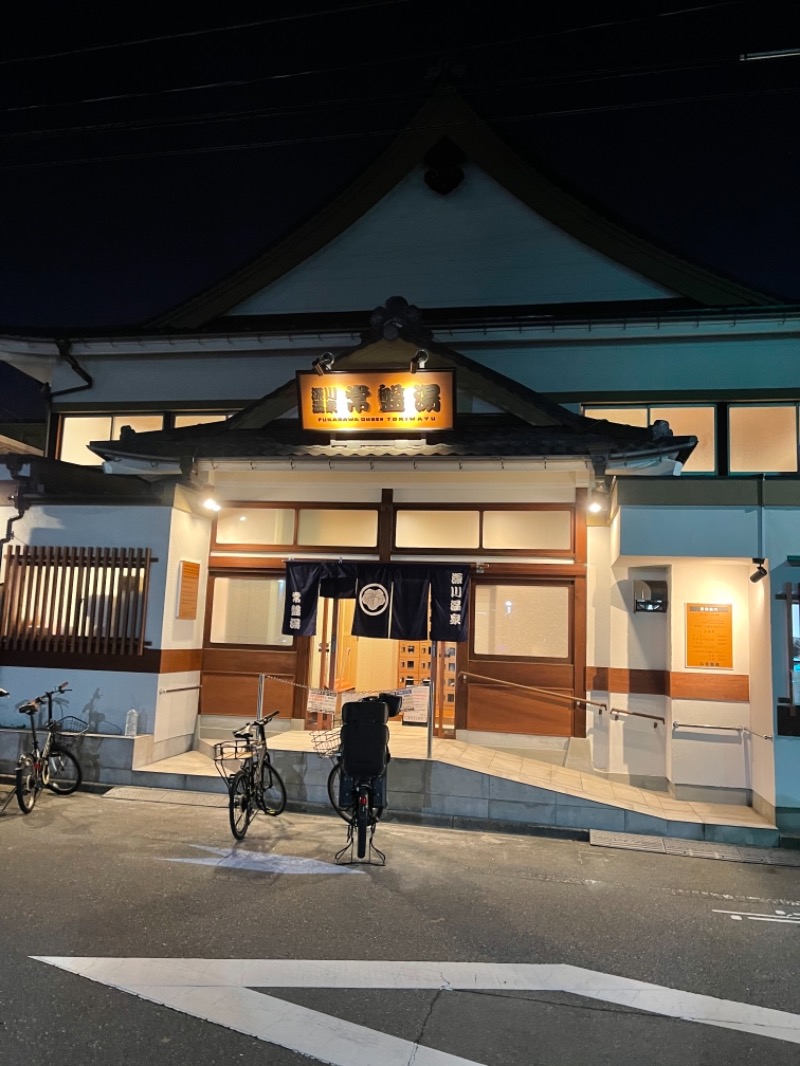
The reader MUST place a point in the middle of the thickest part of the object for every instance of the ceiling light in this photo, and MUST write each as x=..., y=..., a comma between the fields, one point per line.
x=760, y=571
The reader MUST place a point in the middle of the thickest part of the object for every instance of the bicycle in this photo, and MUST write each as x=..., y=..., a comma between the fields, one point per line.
x=52, y=766
x=256, y=785
x=357, y=781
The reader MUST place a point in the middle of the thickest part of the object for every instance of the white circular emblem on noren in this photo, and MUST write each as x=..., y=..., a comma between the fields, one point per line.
x=373, y=599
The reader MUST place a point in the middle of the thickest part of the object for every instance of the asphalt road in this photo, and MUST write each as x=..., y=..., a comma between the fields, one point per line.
x=539, y=923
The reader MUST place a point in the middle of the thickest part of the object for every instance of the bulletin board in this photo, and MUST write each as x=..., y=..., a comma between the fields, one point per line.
x=709, y=635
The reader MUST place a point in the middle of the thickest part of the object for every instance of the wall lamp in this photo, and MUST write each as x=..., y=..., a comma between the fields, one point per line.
x=598, y=500
x=419, y=361
x=760, y=571
x=211, y=504
x=324, y=364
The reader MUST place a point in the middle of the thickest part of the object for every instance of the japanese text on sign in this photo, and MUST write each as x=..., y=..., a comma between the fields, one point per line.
x=376, y=400
x=709, y=635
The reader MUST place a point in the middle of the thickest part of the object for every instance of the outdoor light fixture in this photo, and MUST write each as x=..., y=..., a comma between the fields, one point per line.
x=324, y=363
x=760, y=571
x=419, y=361
x=598, y=500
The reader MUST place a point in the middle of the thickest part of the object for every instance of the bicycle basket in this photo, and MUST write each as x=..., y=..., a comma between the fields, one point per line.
x=326, y=741
x=227, y=751
x=73, y=726
x=69, y=730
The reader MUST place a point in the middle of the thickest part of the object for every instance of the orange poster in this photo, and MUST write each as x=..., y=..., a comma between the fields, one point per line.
x=709, y=635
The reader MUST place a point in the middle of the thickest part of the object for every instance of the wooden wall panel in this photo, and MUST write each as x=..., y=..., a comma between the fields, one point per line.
x=680, y=685
x=237, y=694
x=496, y=709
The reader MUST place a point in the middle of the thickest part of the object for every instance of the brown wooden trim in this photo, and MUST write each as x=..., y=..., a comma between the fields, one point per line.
x=151, y=661
x=181, y=660
x=679, y=685
x=254, y=564
x=578, y=629
x=734, y=688
x=386, y=525
x=579, y=520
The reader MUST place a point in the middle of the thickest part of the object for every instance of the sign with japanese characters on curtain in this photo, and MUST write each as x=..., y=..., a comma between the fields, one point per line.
x=391, y=598
x=376, y=400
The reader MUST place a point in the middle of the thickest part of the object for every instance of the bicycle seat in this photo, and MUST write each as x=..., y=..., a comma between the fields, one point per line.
x=31, y=707
x=242, y=734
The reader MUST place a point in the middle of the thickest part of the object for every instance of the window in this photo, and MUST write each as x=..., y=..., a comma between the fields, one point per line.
x=75, y=600
x=522, y=621
x=763, y=440
x=78, y=430
x=685, y=420
x=255, y=526
x=248, y=610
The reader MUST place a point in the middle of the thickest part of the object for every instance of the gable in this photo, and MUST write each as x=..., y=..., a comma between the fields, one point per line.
x=478, y=246
x=608, y=257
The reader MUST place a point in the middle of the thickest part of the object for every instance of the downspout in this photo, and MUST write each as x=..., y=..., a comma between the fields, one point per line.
x=14, y=465
x=64, y=346
x=64, y=350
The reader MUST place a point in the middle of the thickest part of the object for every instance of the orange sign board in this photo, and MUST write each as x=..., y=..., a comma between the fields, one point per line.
x=376, y=401
x=709, y=635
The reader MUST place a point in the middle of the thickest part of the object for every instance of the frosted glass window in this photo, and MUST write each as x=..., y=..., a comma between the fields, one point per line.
x=138, y=423
x=255, y=525
x=763, y=439
x=334, y=528
x=197, y=420
x=541, y=530
x=522, y=620
x=627, y=416
x=437, y=529
x=77, y=431
x=248, y=610
x=694, y=421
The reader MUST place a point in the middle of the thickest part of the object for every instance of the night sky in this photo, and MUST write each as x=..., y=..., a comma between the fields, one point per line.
x=144, y=158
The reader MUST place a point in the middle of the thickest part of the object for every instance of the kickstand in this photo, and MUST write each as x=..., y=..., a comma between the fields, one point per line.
x=374, y=856
x=7, y=800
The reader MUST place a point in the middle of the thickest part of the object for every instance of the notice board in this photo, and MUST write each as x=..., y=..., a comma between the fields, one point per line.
x=709, y=635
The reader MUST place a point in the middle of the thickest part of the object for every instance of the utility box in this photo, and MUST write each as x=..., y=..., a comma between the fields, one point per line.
x=650, y=596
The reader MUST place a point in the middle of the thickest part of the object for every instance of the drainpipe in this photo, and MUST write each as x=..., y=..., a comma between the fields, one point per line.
x=65, y=351
x=14, y=465
x=64, y=346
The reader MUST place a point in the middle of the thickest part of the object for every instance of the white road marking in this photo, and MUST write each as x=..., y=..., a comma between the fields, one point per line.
x=238, y=859
x=754, y=916
x=220, y=991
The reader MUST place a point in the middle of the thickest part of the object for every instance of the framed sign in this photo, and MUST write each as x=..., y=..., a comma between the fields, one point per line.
x=188, y=588
x=709, y=635
x=387, y=401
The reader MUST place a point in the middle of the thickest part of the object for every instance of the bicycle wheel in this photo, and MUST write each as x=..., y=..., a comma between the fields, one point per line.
x=334, y=777
x=25, y=786
x=65, y=771
x=240, y=806
x=362, y=825
x=273, y=790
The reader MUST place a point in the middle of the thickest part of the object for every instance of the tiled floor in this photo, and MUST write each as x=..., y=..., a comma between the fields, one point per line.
x=412, y=744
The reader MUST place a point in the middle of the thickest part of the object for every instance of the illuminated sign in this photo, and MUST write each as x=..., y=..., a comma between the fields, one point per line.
x=376, y=400
x=709, y=635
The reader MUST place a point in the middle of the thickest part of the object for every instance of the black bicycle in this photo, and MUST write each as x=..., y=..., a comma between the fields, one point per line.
x=256, y=785
x=51, y=766
x=357, y=781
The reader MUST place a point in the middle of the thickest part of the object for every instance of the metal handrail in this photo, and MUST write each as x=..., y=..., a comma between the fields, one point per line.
x=533, y=688
x=730, y=728
x=636, y=714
